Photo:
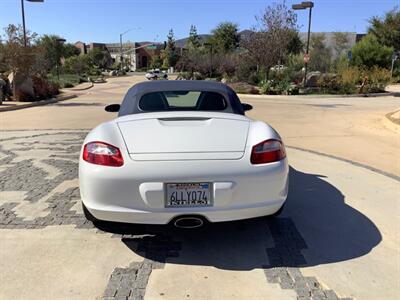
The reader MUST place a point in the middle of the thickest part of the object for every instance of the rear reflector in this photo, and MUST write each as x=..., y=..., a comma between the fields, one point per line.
x=100, y=153
x=267, y=151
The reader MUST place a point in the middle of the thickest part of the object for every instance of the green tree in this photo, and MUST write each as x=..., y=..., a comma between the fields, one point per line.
x=51, y=51
x=225, y=37
x=193, y=41
x=170, y=54
x=3, y=65
x=100, y=58
x=77, y=64
x=320, y=54
x=295, y=44
x=19, y=59
x=369, y=53
x=156, y=62
x=70, y=50
x=387, y=29
x=340, y=43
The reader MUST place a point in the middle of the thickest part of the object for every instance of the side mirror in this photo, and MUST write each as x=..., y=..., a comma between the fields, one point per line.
x=247, y=107
x=112, y=108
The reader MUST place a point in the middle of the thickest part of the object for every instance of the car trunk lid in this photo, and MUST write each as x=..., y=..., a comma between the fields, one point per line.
x=185, y=137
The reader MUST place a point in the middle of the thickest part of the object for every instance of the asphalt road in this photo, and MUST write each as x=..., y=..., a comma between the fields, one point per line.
x=338, y=236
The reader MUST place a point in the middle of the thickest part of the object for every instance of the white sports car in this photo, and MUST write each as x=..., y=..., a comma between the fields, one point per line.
x=182, y=152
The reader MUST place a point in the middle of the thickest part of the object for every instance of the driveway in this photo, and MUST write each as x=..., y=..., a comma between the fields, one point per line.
x=338, y=236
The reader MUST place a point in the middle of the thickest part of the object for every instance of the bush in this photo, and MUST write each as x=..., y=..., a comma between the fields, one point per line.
x=348, y=80
x=279, y=87
x=369, y=53
x=67, y=84
x=77, y=64
x=246, y=71
x=191, y=76
x=353, y=80
x=266, y=88
x=376, y=80
x=244, y=88
x=328, y=83
x=43, y=88
x=94, y=72
x=82, y=79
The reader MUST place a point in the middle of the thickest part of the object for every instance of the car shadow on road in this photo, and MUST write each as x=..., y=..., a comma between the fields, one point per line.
x=316, y=227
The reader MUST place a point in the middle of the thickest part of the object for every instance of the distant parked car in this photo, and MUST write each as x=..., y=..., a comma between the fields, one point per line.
x=156, y=74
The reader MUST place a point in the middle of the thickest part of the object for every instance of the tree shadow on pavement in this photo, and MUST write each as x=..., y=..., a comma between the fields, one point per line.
x=316, y=227
x=73, y=104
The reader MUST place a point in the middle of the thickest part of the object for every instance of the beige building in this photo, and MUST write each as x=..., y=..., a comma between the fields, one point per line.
x=135, y=55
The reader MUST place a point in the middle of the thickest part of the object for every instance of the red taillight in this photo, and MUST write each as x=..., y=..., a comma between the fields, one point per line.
x=267, y=151
x=100, y=153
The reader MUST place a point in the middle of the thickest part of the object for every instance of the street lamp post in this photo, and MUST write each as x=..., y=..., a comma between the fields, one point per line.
x=120, y=45
x=120, y=48
x=59, y=43
x=23, y=18
x=305, y=5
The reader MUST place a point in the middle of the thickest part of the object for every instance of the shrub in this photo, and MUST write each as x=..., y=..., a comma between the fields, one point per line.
x=266, y=88
x=244, y=88
x=94, y=72
x=329, y=83
x=77, y=64
x=369, y=53
x=82, y=79
x=67, y=84
x=348, y=80
x=377, y=79
x=283, y=87
x=246, y=71
x=198, y=76
x=43, y=88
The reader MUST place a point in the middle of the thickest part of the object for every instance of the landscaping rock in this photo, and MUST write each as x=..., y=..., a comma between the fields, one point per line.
x=312, y=79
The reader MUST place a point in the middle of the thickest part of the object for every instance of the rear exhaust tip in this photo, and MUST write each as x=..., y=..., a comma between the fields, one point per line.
x=188, y=222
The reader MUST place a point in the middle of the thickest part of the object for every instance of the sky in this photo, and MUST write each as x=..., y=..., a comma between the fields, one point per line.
x=150, y=20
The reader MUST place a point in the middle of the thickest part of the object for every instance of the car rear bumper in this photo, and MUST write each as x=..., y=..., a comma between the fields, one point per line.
x=135, y=193
x=117, y=214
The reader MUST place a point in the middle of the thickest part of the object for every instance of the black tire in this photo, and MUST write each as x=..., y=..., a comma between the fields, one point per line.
x=88, y=215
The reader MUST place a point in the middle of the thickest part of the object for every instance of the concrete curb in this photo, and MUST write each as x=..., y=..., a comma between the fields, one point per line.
x=394, y=94
x=390, y=123
x=37, y=103
x=79, y=89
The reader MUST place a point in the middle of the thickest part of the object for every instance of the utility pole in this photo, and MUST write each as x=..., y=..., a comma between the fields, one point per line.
x=23, y=21
x=23, y=18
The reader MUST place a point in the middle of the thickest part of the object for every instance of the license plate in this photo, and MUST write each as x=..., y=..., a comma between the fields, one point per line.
x=188, y=194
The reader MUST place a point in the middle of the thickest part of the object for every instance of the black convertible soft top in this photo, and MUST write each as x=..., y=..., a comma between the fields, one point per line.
x=130, y=104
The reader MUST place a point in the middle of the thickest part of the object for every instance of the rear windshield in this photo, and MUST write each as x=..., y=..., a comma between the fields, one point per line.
x=182, y=100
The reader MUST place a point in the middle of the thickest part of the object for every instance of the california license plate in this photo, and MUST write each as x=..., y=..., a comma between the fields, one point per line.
x=188, y=194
